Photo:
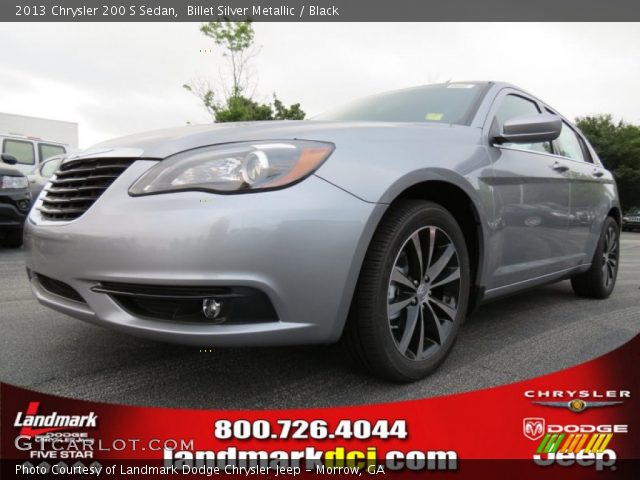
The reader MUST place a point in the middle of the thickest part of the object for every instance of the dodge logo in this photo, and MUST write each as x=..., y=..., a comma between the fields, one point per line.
x=533, y=428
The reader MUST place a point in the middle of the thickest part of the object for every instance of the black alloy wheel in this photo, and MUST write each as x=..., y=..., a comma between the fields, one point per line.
x=424, y=292
x=412, y=293
x=600, y=279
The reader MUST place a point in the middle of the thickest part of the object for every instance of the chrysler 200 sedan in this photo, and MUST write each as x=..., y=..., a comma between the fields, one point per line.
x=383, y=223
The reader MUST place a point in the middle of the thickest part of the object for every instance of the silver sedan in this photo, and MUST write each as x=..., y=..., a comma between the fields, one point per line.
x=383, y=223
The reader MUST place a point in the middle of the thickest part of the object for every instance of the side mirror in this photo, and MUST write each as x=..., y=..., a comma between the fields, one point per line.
x=9, y=159
x=542, y=127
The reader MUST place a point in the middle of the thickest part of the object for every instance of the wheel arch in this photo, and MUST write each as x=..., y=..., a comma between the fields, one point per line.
x=616, y=214
x=455, y=194
x=460, y=204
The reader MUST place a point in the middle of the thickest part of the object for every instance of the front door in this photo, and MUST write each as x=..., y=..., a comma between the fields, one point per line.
x=532, y=194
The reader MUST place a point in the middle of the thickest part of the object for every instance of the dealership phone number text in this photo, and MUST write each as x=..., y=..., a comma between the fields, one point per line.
x=305, y=429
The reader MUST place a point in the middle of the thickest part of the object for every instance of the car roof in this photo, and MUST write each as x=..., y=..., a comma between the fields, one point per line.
x=20, y=136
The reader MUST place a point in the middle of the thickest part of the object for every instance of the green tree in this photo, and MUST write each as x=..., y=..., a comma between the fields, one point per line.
x=618, y=146
x=294, y=112
x=234, y=104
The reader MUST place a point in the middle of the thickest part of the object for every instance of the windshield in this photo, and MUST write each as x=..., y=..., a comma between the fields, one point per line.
x=441, y=103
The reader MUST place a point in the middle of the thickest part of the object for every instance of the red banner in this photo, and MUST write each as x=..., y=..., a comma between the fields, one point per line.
x=581, y=422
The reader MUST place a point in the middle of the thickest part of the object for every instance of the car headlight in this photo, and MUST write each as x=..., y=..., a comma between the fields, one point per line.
x=10, y=182
x=235, y=167
x=625, y=218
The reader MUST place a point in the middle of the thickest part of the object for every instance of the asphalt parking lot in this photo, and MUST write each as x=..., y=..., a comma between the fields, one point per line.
x=530, y=334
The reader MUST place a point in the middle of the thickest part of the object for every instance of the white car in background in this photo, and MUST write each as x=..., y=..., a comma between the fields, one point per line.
x=30, y=152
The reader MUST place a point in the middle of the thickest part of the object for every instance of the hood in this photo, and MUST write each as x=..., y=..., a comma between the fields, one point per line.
x=10, y=170
x=164, y=143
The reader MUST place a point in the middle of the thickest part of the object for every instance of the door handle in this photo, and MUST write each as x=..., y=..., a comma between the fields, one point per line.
x=559, y=167
x=596, y=172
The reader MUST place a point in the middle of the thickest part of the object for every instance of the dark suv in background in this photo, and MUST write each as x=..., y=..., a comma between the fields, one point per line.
x=15, y=202
x=631, y=220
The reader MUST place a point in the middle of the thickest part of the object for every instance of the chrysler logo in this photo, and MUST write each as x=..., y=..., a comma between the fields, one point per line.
x=577, y=405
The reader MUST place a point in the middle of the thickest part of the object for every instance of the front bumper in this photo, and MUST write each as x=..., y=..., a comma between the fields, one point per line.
x=14, y=207
x=302, y=247
x=630, y=223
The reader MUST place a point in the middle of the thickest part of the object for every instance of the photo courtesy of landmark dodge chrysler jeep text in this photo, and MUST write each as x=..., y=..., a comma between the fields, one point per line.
x=382, y=223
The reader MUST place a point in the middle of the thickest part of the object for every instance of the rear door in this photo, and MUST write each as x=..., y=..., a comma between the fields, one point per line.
x=532, y=193
x=592, y=193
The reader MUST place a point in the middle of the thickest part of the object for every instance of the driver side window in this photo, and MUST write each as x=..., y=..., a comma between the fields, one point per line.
x=516, y=106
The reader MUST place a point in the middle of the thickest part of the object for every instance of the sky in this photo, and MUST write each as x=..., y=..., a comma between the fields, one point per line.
x=115, y=79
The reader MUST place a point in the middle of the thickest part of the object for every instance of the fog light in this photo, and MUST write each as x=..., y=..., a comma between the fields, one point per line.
x=211, y=308
x=24, y=205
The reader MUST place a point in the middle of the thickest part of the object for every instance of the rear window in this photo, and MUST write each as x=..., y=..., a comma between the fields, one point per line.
x=442, y=103
x=22, y=150
x=47, y=150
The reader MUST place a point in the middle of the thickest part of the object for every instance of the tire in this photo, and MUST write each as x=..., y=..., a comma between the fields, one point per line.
x=379, y=331
x=13, y=239
x=600, y=279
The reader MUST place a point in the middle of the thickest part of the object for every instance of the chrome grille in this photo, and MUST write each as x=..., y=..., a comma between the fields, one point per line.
x=78, y=184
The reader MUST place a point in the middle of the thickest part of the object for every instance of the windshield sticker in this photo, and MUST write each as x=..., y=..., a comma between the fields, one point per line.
x=434, y=116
